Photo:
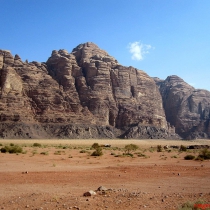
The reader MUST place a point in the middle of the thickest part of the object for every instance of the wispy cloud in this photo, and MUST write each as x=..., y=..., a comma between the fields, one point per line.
x=138, y=50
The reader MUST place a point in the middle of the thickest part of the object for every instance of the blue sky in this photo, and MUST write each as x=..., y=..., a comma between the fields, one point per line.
x=161, y=37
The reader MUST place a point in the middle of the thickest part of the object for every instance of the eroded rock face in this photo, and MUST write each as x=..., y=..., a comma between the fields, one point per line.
x=186, y=108
x=115, y=95
x=86, y=88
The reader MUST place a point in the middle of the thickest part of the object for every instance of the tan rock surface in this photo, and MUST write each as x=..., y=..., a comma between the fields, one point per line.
x=86, y=94
x=186, y=108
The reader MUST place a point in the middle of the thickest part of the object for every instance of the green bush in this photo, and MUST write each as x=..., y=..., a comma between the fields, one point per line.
x=189, y=157
x=130, y=148
x=58, y=152
x=3, y=150
x=183, y=148
x=44, y=153
x=139, y=154
x=186, y=206
x=37, y=145
x=95, y=146
x=199, y=158
x=128, y=154
x=204, y=154
x=159, y=148
x=118, y=155
x=12, y=149
x=82, y=151
x=11, y=144
x=97, y=152
x=194, y=205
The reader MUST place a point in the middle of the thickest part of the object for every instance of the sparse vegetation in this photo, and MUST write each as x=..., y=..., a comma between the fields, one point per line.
x=199, y=158
x=187, y=206
x=3, y=150
x=12, y=149
x=34, y=152
x=128, y=154
x=200, y=204
x=189, y=157
x=159, y=148
x=37, y=145
x=130, y=148
x=58, y=152
x=151, y=149
x=182, y=148
x=95, y=146
x=97, y=152
x=139, y=154
x=118, y=155
x=44, y=153
x=82, y=151
x=204, y=154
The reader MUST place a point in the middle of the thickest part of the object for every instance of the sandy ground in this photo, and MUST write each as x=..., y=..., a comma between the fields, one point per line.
x=57, y=178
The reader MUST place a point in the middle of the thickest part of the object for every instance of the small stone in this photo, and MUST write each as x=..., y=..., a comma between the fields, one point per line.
x=89, y=193
x=102, y=188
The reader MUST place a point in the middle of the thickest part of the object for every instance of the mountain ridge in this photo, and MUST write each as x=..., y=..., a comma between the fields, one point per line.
x=86, y=94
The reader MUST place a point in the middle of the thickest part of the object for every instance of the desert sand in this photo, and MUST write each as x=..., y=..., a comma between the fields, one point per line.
x=56, y=175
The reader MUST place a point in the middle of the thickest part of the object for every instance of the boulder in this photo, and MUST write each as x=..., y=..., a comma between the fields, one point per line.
x=102, y=188
x=89, y=193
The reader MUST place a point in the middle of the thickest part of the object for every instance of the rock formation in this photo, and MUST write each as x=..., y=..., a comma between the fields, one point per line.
x=82, y=94
x=186, y=108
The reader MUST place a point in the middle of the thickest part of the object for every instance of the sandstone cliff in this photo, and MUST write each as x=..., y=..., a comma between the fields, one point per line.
x=186, y=108
x=82, y=94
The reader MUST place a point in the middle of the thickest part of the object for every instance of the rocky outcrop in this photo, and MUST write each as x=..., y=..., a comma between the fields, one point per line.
x=82, y=94
x=149, y=132
x=186, y=108
x=115, y=95
x=17, y=130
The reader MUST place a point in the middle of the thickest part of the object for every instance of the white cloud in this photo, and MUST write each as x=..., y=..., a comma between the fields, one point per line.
x=138, y=50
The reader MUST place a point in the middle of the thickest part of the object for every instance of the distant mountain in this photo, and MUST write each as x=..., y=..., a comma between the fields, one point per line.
x=186, y=108
x=88, y=94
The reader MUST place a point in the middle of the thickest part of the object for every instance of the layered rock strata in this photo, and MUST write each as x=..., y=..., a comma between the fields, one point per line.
x=82, y=94
x=186, y=108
